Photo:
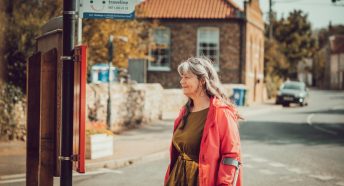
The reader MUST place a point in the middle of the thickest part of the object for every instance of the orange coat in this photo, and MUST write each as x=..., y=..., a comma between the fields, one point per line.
x=220, y=140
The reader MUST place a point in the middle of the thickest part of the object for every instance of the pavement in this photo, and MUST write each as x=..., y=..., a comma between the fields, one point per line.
x=151, y=141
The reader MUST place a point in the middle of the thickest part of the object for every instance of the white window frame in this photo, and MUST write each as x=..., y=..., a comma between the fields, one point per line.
x=217, y=42
x=161, y=68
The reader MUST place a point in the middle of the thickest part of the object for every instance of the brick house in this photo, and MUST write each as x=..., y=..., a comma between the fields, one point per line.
x=334, y=65
x=219, y=29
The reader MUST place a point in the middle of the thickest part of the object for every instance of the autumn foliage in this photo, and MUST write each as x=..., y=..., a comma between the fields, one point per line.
x=97, y=127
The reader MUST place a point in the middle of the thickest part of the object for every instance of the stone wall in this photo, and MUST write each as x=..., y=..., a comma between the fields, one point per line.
x=131, y=104
x=173, y=100
x=14, y=121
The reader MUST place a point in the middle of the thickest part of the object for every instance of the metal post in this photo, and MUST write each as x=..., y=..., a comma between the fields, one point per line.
x=67, y=92
x=110, y=53
x=79, y=37
x=270, y=19
x=79, y=23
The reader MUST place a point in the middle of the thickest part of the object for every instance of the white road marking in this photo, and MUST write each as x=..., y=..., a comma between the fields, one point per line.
x=293, y=180
x=297, y=170
x=337, y=107
x=275, y=164
x=13, y=180
x=340, y=183
x=17, y=177
x=267, y=171
x=247, y=156
x=12, y=176
x=99, y=171
x=309, y=121
x=248, y=166
x=322, y=177
x=294, y=170
x=259, y=160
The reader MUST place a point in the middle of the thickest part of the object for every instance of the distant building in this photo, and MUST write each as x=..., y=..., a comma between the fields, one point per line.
x=304, y=71
x=333, y=56
x=219, y=29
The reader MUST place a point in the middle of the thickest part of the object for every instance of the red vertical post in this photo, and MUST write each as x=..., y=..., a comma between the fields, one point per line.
x=82, y=128
x=80, y=70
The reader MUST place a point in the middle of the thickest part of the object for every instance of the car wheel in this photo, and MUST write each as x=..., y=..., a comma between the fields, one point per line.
x=285, y=104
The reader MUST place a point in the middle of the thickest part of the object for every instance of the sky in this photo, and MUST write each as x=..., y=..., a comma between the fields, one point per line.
x=320, y=12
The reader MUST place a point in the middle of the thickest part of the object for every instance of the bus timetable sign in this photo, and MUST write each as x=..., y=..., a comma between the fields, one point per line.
x=107, y=9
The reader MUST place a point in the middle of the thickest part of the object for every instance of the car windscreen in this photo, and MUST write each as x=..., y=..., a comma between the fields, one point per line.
x=293, y=86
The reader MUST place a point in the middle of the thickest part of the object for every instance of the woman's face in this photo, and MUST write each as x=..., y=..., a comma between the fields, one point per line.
x=190, y=84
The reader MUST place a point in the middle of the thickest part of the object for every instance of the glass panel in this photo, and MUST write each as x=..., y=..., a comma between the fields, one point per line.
x=203, y=45
x=212, y=52
x=164, y=61
x=208, y=43
x=163, y=52
x=160, y=48
x=213, y=45
x=209, y=35
x=162, y=36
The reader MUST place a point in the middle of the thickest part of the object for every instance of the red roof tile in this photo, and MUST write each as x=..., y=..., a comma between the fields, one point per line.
x=187, y=9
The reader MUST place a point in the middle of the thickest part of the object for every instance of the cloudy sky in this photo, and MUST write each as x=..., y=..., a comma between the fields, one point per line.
x=320, y=12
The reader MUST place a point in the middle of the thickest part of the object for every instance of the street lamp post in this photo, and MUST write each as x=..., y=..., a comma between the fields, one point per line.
x=270, y=19
x=110, y=54
x=67, y=92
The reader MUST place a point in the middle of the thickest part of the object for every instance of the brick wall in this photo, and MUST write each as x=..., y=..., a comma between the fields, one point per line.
x=254, y=67
x=183, y=46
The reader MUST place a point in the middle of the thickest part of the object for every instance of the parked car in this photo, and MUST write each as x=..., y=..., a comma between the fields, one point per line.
x=292, y=92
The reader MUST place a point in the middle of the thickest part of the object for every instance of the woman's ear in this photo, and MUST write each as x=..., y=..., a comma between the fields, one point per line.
x=203, y=81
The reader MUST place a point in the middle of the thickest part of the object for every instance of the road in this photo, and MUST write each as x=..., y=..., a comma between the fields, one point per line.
x=287, y=146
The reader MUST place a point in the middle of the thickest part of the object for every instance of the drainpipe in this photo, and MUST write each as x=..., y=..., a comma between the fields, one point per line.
x=243, y=45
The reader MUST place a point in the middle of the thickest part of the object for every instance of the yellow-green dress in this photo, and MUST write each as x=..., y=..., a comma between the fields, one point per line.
x=187, y=139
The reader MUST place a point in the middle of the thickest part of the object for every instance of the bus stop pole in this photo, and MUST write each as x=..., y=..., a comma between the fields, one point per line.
x=67, y=92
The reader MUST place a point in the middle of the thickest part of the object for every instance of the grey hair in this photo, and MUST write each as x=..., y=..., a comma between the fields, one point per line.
x=203, y=68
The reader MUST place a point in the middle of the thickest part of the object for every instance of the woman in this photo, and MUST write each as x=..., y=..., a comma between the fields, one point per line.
x=205, y=147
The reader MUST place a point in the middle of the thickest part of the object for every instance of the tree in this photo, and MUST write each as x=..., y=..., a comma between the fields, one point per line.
x=295, y=36
x=26, y=18
x=24, y=22
x=2, y=38
x=96, y=34
x=276, y=66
